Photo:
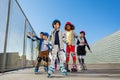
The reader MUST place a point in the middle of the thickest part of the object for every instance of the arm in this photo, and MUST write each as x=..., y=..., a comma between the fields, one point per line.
x=75, y=35
x=30, y=36
x=50, y=37
x=87, y=45
x=64, y=37
x=78, y=42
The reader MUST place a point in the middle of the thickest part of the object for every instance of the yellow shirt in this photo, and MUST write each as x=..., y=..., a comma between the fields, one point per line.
x=69, y=37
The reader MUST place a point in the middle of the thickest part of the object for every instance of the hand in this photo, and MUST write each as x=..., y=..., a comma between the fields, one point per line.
x=30, y=34
x=90, y=51
x=66, y=43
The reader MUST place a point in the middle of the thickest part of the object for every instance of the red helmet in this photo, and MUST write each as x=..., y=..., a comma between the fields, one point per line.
x=82, y=32
x=68, y=23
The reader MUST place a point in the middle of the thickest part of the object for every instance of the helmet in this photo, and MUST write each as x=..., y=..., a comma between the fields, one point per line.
x=68, y=23
x=56, y=21
x=46, y=34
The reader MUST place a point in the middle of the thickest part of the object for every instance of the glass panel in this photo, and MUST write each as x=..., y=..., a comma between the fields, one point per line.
x=3, y=21
x=28, y=46
x=15, y=37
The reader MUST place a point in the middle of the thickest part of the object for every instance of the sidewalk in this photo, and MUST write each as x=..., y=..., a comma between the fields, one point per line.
x=27, y=74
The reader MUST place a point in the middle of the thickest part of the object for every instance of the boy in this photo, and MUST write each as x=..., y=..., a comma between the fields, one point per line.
x=43, y=50
x=81, y=52
x=56, y=39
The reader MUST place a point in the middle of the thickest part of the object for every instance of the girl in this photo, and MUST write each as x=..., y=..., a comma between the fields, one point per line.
x=81, y=52
x=70, y=36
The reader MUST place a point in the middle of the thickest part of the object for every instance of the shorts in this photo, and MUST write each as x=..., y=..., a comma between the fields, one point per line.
x=81, y=51
x=70, y=48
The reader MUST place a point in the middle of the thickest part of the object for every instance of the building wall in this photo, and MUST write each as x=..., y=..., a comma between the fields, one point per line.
x=106, y=50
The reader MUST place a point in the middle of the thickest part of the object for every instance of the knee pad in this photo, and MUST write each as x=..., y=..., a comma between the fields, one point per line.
x=44, y=58
x=39, y=59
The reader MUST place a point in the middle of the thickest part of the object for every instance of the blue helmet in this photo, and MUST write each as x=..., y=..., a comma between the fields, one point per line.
x=56, y=21
x=46, y=34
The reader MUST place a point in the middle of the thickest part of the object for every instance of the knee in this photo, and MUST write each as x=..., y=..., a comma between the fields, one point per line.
x=47, y=59
x=67, y=55
x=39, y=59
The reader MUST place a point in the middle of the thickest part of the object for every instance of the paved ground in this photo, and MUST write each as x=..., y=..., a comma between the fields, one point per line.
x=27, y=74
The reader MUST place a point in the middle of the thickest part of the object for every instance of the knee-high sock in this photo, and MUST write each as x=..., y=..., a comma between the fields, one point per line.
x=74, y=58
x=82, y=61
x=67, y=58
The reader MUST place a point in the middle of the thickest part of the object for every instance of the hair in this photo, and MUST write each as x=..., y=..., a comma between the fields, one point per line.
x=82, y=32
x=71, y=25
x=41, y=32
x=56, y=21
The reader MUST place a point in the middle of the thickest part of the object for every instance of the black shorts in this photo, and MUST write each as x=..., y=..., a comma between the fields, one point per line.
x=81, y=51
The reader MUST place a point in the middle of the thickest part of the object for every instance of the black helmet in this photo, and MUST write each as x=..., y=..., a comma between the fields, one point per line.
x=82, y=32
x=56, y=21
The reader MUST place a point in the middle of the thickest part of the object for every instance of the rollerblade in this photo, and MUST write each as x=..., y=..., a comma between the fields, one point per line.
x=74, y=68
x=63, y=70
x=55, y=67
x=84, y=67
x=46, y=69
x=36, y=70
x=50, y=71
x=67, y=68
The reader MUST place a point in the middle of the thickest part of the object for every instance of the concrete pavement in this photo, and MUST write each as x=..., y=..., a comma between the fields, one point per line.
x=27, y=74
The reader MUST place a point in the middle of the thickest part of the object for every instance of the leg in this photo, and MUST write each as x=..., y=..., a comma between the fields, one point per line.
x=37, y=64
x=67, y=57
x=74, y=66
x=55, y=64
x=62, y=67
x=82, y=62
x=72, y=49
x=46, y=60
x=53, y=57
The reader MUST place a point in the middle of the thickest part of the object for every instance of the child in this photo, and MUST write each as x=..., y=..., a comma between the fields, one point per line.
x=70, y=47
x=43, y=49
x=56, y=39
x=81, y=52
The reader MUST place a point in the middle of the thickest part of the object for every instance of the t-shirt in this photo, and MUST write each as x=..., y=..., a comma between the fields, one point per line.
x=44, y=46
x=57, y=38
x=81, y=41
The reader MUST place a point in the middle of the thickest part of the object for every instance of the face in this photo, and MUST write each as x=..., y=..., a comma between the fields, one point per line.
x=82, y=35
x=44, y=37
x=68, y=27
x=41, y=35
x=56, y=26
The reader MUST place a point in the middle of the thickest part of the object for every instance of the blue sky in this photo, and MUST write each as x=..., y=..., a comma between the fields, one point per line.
x=98, y=18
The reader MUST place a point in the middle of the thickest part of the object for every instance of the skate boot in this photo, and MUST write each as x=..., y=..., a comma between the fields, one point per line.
x=74, y=68
x=63, y=70
x=55, y=66
x=50, y=71
x=67, y=68
x=36, y=70
x=46, y=69
x=84, y=67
